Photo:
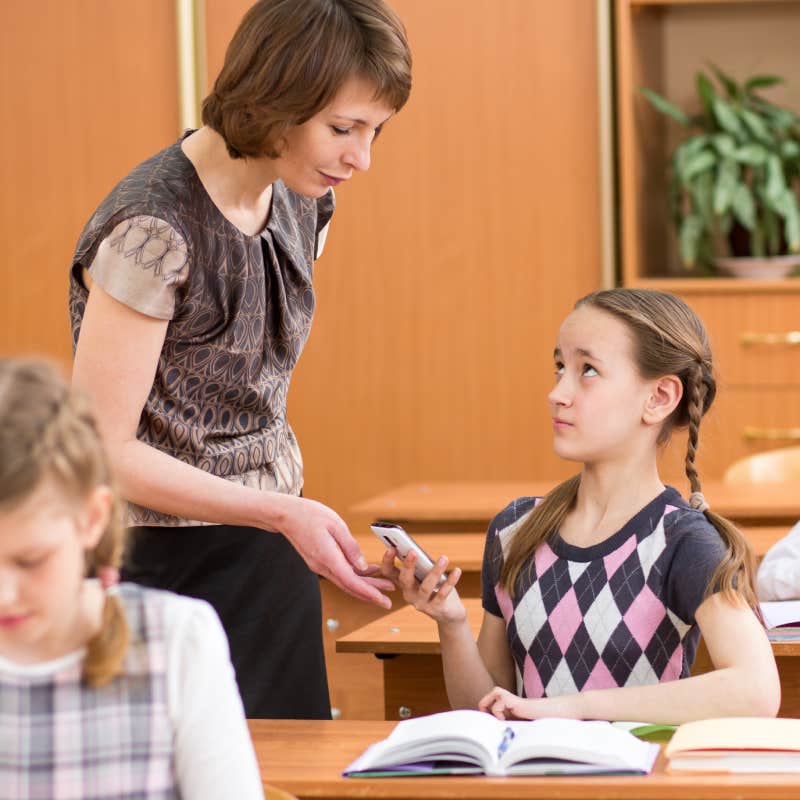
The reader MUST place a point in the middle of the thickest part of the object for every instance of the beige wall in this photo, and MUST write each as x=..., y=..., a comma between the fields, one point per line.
x=448, y=267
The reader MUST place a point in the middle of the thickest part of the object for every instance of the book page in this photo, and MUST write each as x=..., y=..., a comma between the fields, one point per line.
x=588, y=742
x=467, y=736
x=782, y=612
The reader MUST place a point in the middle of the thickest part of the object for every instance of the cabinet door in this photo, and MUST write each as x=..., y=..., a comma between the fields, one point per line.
x=755, y=337
x=739, y=424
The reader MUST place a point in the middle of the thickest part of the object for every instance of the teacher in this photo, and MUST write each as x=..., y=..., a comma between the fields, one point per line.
x=191, y=298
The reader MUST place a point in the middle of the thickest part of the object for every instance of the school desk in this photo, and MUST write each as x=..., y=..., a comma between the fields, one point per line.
x=306, y=757
x=468, y=506
x=407, y=642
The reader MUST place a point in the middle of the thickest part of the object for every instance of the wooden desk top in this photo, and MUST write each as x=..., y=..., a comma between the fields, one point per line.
x=408, y=631
x=463, y=505
x=306, y=757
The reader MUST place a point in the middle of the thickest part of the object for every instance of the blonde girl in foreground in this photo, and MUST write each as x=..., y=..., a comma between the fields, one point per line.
x=595, y=596
x=105, y=691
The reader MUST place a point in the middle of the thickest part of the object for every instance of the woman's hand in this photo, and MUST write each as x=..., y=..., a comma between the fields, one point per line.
x=323, y=540
x=439, y=601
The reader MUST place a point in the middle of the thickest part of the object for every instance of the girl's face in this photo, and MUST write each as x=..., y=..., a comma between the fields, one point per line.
x=334, y=143
x=602, y=409
x=43, y=610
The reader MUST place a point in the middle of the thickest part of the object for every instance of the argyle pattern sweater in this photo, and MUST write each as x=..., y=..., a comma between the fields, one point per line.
x=618, y=613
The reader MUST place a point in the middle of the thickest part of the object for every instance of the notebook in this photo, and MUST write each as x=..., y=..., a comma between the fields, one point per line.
x=736, y=744
x=782, y=619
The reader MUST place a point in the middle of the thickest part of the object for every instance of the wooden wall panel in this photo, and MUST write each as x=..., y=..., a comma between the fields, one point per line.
x=89, y=89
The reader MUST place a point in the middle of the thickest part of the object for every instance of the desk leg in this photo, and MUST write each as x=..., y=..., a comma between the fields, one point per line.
x=414, y=682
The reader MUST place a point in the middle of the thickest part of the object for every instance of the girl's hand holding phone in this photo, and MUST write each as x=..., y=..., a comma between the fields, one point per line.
x=435, y=595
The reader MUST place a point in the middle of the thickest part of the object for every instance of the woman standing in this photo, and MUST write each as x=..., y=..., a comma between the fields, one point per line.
x=190, y=301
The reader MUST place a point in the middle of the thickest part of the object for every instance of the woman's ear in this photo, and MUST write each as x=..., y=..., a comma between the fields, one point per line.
x=663, y=400
x=95, y=515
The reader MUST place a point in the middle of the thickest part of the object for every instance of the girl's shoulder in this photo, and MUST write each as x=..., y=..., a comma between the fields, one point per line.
x=513, y=513
x=158, y=613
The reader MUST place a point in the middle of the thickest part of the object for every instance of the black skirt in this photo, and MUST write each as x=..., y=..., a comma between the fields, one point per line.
x=266, y=597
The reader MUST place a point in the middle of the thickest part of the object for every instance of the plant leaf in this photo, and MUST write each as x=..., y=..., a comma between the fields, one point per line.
x=689, y=236
x=727, y=118
x=664, y=106
x=724, y=144
x=744, y=206
x=731, y=87
x=757, y=126
x=790, y=148
x=791, y=221
x=761, y=82
x=702, y=193
x=776, y=183
x=705, y=90
x=727, y=178
x=753, y=155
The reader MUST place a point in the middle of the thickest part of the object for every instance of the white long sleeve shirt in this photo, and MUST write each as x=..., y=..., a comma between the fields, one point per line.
x=779, y=572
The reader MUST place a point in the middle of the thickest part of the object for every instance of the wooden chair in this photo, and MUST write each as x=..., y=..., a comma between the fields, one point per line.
x=771, y=466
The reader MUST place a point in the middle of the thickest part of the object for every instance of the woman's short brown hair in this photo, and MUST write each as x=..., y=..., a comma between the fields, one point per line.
x=287, y=60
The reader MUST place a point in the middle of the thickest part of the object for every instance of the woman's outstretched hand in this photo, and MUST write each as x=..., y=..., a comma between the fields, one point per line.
x=325, y=543
x=433, y=597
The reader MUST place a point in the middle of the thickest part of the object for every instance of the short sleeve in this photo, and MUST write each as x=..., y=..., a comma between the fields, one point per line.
x=325, y=207
x=490, y=570
x=214, y=754
x=141, y=263
x=501, y=529
x=697, y=553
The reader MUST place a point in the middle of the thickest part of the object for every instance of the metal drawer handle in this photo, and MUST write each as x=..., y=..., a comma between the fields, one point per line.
x=752, y=434
x=748, y=339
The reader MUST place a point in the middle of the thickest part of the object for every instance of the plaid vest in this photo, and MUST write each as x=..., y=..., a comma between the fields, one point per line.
x=61, y=740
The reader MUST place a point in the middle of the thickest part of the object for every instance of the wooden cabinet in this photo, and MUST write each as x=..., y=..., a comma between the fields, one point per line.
x=754, y=325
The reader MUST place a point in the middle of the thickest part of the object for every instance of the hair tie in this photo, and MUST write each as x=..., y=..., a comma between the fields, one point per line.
x=109, y=576
x=697, y=501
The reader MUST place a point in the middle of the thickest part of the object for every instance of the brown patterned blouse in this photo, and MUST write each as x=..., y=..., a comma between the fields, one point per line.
x=240, y=310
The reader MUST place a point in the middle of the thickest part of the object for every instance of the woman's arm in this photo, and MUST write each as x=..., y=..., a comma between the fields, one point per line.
x=744, y=681
x=115, y=363
x=470, y=668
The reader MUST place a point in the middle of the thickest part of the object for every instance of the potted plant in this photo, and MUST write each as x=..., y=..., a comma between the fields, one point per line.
x=733, y=186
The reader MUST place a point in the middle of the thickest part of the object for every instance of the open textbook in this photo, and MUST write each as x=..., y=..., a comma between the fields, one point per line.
x=472, y=742
x=736, y=744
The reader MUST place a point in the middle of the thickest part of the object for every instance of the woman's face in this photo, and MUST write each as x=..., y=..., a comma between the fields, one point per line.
x=335, y=142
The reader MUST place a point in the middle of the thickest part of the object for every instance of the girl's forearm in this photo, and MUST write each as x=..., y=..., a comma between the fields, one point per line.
x=726, y=692
x=465, y=675
x=156, y=480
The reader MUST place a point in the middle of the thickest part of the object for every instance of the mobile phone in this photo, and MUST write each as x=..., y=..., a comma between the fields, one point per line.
x=393, y=535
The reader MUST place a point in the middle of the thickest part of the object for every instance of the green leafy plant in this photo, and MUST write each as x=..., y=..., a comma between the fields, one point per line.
x=736, y=176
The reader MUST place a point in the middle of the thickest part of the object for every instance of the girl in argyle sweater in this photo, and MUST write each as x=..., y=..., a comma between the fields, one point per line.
x=596, y=595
